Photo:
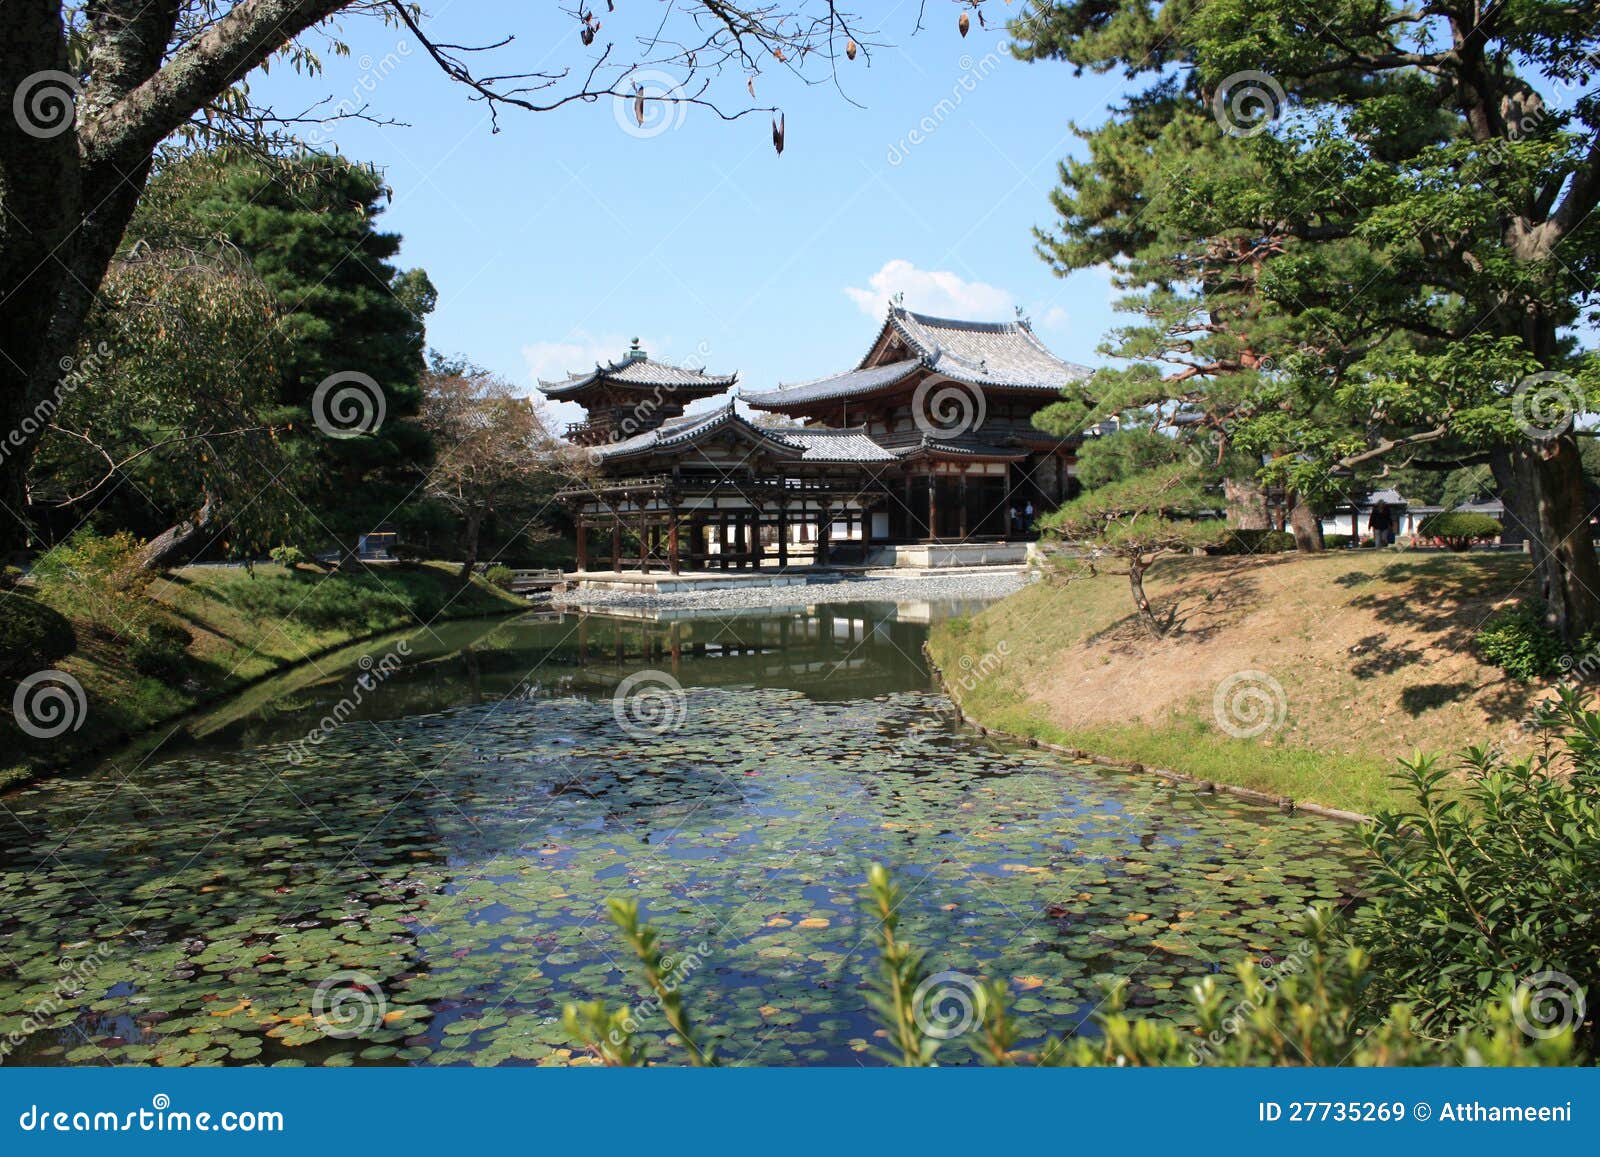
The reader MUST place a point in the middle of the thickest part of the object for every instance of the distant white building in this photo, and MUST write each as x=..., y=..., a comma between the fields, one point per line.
x=1354, y=519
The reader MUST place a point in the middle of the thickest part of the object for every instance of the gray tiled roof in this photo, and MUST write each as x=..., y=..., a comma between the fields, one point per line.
x=812, y=444
x=853, y=383
x=823, y=444
x=642, y=373
x=985, y=353
x=1003, y=355
x=685, y=429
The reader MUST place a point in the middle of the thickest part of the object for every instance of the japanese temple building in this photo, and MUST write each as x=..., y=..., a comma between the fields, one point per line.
x=928, y=440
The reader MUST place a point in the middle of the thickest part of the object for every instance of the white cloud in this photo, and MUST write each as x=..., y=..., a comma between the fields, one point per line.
x=1056, y=318
x=935, y=291
x=554, y=360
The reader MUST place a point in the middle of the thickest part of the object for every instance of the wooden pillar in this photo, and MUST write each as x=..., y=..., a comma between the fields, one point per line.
x=644, y=543
x=757, y=546
x=961, y=500
x=583, y=544
x=672, y=545
x=933, y=505
x=783, y=536
x=910, y=518
x=824, y=533
x=1008, y=504
x=616, y=542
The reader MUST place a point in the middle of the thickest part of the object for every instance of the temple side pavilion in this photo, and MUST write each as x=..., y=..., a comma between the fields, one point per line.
x=929, y=440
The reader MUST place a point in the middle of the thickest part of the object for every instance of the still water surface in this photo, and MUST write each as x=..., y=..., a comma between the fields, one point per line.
x=429, y=875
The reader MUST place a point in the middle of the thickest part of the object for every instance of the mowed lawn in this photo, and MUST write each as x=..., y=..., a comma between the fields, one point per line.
x=1304, y=676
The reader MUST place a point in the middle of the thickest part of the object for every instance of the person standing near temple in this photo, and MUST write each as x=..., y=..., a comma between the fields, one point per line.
x=1381, y=523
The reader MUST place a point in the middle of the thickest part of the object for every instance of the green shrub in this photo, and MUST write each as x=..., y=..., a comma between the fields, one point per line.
x=287, y=556
x=1254, y=542
x=1496, y=879
x=163, y=652
x=1312, y=1007
x=1336, y=541
x=32, y=635
x=499, y=576
x=98, y=577
x=1520, y=642
x=1459, y=529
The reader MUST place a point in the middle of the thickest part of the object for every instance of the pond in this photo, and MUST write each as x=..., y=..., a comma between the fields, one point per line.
x=401, y=854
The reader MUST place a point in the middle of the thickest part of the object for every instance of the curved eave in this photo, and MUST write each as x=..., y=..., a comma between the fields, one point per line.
x=695, y=390
x=835, y=388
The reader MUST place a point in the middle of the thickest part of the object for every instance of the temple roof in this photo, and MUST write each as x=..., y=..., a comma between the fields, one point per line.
x=805, y=444
x=635, y=370
x=998, y=355
x=830, y=445
x=852, y=383
x=985, y=353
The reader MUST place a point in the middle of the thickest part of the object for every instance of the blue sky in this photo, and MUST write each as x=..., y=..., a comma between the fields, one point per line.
x=559, y=238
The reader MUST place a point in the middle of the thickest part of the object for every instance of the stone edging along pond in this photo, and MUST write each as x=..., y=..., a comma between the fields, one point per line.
x=1282, y=802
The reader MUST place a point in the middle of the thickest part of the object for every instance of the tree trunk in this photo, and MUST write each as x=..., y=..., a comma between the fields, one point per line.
x=1305, y=525
x=469, y=543
x=1247, y=504
x=1543, y=492
x=1136, y=570
x=160, y=551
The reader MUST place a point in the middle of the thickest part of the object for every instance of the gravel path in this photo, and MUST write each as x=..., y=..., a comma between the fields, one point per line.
x=832, y=589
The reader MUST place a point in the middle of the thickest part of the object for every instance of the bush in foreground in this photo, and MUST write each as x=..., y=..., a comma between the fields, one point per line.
x=1459, y=529
x=1519, y=641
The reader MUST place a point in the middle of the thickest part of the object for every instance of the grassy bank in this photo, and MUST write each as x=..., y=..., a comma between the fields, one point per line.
x=201, y=634
x=1352, y=658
